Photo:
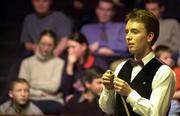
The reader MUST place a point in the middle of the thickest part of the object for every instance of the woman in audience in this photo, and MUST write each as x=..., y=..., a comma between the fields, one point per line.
x=79, y=58
x=44, y=72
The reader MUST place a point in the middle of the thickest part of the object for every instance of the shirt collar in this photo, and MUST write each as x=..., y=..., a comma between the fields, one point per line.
x=148, y=57
x=21, y=109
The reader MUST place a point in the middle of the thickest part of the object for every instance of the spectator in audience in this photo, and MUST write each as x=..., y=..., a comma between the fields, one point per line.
x=169, y=28
x=79, y=58
x=106, y=38
x=86, y=103
x=44, y=72
x=45, y=18
x=164, y=53
x=19, y=103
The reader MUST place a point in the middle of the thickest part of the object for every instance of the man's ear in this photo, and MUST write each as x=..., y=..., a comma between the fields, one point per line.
x=87, y=85
x=162, y=8
x=10, y=94
x=113, y=13
x=96, y=10
x=84, y=46
x=150, y=37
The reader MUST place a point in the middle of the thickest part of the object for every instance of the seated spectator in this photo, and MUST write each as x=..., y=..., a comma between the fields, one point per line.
x=164, y=53
x=44, y=72
x=106, y=38
x=19, y=103
x=169, y=34
x=79, y=58
x=86, y=103
x=45, y=18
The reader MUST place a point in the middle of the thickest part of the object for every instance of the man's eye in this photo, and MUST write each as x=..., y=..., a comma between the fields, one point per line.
x=135, y=31
x=126, y=31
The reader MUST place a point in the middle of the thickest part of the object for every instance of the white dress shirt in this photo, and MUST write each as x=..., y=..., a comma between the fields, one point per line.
x=163, y=87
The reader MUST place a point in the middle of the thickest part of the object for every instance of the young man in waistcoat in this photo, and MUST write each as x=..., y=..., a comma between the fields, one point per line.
x=142, y=85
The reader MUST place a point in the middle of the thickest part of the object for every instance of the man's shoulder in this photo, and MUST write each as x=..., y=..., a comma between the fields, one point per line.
x=33, y=106
x=166, y=71
x=119, y=66
x=33, y=109
x=95, y=25
x=58, y=14
x=170, y=21
x=30, y=16
x=6, y=104
x=118, y=24
x=90, y=26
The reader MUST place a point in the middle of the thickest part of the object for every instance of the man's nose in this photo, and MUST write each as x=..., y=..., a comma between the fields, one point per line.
x=23, y=93
x=128, y=36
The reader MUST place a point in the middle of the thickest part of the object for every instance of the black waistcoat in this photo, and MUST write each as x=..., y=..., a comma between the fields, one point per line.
x=141, y=83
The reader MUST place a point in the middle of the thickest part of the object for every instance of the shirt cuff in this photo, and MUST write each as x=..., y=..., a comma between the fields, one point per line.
x=133, y=97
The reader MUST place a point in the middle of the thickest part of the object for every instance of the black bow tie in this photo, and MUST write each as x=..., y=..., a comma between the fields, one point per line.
x=135, y=62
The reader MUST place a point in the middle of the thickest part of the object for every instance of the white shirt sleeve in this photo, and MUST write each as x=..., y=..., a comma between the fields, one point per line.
x=163, y=87
x=107, y=101
x=107, y=98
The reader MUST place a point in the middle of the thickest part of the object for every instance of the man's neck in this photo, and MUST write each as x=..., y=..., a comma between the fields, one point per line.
x=140, y=56
x=89, y=96
x=44, y=14
x=105, y=22
x=19, y=108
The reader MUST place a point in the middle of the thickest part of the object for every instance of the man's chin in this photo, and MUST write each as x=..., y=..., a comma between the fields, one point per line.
x=132, y=51
x=22, y=103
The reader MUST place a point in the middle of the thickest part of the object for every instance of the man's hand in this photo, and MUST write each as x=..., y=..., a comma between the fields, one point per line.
x=93, y=47
x=107, y=80
x=56, y=52
x=106, y=51
x=31, y=46
x=61, y=46
x=122, y=87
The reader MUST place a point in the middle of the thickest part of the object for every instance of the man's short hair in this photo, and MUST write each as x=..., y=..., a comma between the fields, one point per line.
x=92, y=73
x=161, y=48
x=150, y=21
x=107, y=1
x=19, y=80
x=159, y=2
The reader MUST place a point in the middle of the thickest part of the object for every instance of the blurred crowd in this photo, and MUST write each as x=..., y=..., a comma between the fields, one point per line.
x=64, y=56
